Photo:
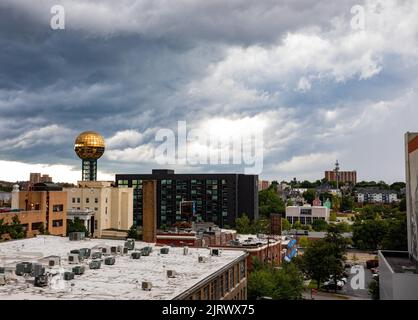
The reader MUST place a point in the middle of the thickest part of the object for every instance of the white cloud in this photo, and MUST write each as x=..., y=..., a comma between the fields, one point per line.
x=307, y=163
x=19, y=171
x=123, y=139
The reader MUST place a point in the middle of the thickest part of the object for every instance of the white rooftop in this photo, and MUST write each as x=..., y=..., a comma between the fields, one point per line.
x=120, y=281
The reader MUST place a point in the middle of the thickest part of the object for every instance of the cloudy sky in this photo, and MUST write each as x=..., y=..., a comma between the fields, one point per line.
x=319, y=89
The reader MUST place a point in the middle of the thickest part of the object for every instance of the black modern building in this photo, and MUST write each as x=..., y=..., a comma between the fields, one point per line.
x=217, y=198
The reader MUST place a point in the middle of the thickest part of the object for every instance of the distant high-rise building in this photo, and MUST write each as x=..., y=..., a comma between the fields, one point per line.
x=218, y=198
x=341, y=177
x=34, y=178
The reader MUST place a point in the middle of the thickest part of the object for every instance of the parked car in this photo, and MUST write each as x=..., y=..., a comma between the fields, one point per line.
x=372, y=264
x=332, y=286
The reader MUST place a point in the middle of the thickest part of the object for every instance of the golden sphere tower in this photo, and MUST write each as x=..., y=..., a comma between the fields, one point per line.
x=89, y=146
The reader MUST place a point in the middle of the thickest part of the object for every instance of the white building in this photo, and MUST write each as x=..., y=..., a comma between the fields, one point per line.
x=398, y=278
x=306, y=214
x=105, y=210
x=372, y=195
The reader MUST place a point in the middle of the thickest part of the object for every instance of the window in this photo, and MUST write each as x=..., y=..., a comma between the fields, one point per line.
x=37, y=225
x=105, y=210
x=95, y=224
x=96, y=209
x=96, y=200
x=58, y=208
x=87, y=200
x=73, y=200
x=78, y=200
x=57, y=223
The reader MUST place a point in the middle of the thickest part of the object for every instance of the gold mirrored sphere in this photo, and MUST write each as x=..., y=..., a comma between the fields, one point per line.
x=89, y=145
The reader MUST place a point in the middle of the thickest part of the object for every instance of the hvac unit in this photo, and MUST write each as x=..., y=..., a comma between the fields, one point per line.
x=113, y=250
x=125, y=250
x=85, y=253
x=215, y=252
x=130, y=244
x=202, y=259
x=2, y=270
x=77, y=236
x=68, y=276
x=106, y=250
x=54, y=261
x=109, y=261
x=136, y=255
x=96, y=255
x=73, y=258
x=78, y=270
x=2, y=279
x=185, y=251
x=146, y=285
x=164, y=250
x=171, y=273
x=38, y=270
x=41, y=281
x=146, y=251
x=23, y=268
x=95, y=264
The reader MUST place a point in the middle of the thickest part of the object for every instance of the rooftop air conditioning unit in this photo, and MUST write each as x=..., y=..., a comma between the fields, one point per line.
x=68, y=276
x=125, y=250
x=130, y=244
x=2, y=270
x=202, y=259
x=41, y=281
x=23, y=268
x=185, y=251
x=106, y=250
x=78, y=270
x=146, y=286
x=96, y=255
x=136, y=255
x=113, y=250
x=2, y=279
x=164, y=250
x=95, y=264
x=171, y=273
x=54, y=261
x=146, y=251
x=215, y=252
x=73, y=258
x=38, y=270
x=109, y=261
x=76, y=236
x=85, y=253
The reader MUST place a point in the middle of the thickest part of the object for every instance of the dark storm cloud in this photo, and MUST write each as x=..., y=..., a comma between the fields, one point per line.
x=142, y=65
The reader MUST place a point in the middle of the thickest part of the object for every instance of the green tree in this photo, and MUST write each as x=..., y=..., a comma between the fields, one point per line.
x=325, y=257
x=261, y=225
x=369, y=234
x=286, y=225
x=3, y=228
x=76, y=226
x=333, y=217
x=309, y=196
x=396, y=237
x=133, y=233
x=374, y=289
x=15, y=229
x=297, y=225
x=270, y=202
x=320, y=225
x=343, y=227
x=347, y=203
x=303, y=242
x=285, y=283
x=243, y=225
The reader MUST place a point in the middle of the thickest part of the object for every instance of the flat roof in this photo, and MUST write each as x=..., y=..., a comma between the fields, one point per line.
x=400, y=262
x=123, y=280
